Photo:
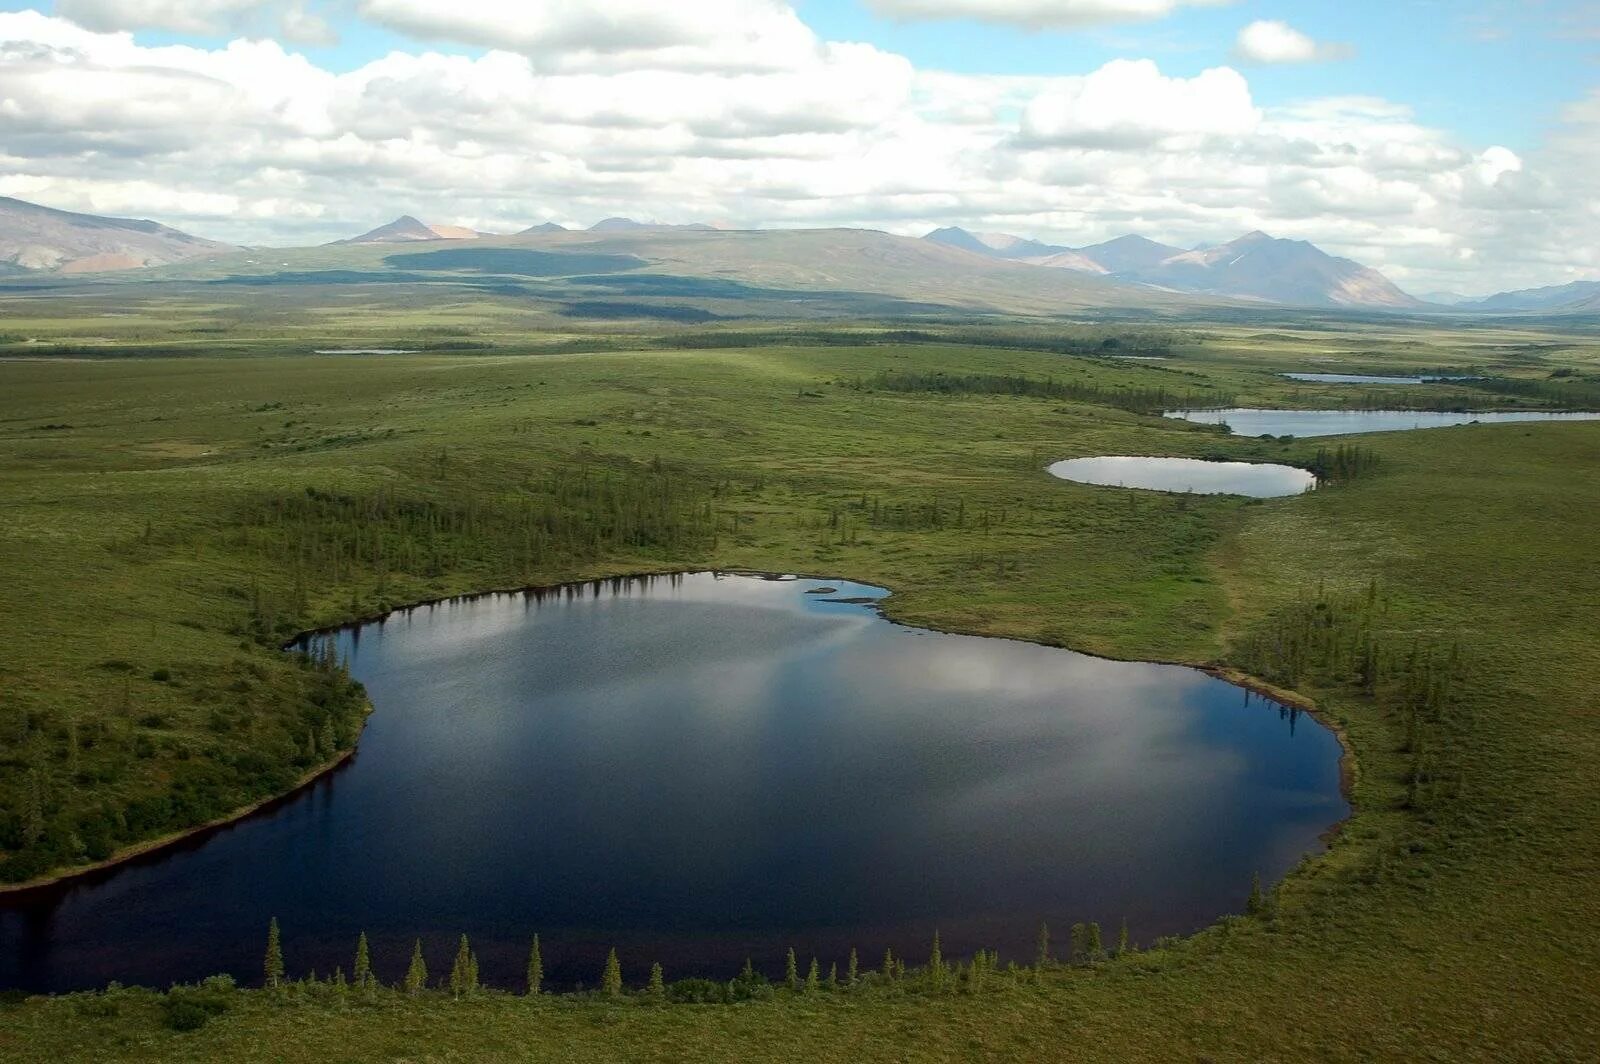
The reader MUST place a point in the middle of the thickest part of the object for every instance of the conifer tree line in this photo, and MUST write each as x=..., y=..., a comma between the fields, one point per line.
x=459, y=518
x=938, y=973
x=930, y=514
x=1340, y=641
x=1138, y=400
x=1344, y=462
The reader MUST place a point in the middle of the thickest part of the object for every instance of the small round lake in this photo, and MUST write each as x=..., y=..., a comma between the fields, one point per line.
x=702, y=768
x=1197, y=476
x=1251, y=422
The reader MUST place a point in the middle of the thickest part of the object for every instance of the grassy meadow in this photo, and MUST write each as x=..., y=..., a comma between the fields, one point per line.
x=170, y=519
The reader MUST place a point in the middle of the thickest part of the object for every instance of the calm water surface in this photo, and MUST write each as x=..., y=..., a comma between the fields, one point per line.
x=1197, y=476
x=701, y=768
x=1248, y=422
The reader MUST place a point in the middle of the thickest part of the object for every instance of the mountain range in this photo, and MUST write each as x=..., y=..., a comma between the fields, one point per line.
x=1033, y=276
x=1255, y=267
x=407, y=229
x=1577, y=295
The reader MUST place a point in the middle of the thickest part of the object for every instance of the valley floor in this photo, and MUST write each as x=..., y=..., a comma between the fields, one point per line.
x=167, y=520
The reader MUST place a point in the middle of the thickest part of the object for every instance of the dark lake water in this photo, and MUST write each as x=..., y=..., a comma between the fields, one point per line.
x=1248, y=422
x=702, y=768
x=1195, y=476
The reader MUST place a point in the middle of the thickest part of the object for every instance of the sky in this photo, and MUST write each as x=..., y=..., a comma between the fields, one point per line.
x=1453, y=144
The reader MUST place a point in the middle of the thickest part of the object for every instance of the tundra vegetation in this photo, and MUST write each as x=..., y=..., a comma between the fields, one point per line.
x=169, y=522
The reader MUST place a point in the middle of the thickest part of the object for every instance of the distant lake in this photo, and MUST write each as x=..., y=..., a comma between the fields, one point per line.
x=1249, y=422
x=702, y=768
x=1197, y=476
x=1363, y=378
x=364, y=351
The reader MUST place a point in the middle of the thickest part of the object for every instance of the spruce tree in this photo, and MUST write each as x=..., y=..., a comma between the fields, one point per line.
x=1041, y=950
x=888, y=964
x=472, y=972
x=853, y=970
x=658, y=986
x=833, y=976
x=1091, y=941
x=611, y=978
x=1256, y=904
x=1079, y=936
x=936, y=969
x=417, y=973
x=1122, y=937
x=535, y=969
x=813, y=977
x=791, y=974
x=272, y=965
x=461, y=969
x=362, y=975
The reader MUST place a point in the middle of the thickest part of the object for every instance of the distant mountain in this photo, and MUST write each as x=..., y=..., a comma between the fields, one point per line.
x=406, y=229
x=1068, y=260
x=1446, y=299
x=995, y=245
x=1587, y=306
x=1295, y=272
x=1555, y=297
x=42, y=238
x=624, y=225
x=1129, y=254
x=1255, y=266
x=546, y=227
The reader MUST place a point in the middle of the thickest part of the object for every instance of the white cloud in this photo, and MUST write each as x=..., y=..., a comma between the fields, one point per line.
x=252, y=143
x=1038, y=14
x=1270, y=41
x=288, y=18
x=1130, y=102
x=619, y=34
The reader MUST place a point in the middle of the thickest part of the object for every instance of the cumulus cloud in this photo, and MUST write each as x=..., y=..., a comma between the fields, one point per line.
x=1038, y=14
x=288, y=18
x=1270, y=41
x=1130, y=103
x=622, y=34
x=253, y=143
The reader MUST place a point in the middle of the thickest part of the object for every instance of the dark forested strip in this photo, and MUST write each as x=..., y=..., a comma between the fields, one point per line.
x=1124, y=397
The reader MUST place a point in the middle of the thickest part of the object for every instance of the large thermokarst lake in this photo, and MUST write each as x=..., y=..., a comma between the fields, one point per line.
x=701, y=768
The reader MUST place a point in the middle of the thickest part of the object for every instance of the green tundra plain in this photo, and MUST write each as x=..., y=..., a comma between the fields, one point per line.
x=185, y=485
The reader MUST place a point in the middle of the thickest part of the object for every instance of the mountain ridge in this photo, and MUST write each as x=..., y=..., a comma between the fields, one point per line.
x=35, y=238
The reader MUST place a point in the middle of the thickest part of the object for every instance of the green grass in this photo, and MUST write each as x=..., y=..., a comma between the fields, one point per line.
x=1460, y=927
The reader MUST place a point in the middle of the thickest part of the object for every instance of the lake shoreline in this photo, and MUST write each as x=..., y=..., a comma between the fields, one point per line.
x=156, y=846
x=1348, y=771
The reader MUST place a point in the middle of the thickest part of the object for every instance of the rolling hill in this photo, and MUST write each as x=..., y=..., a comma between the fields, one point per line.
x=34, y=238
